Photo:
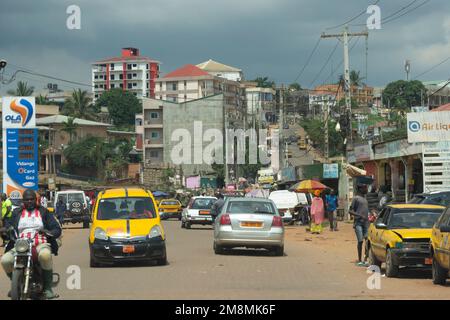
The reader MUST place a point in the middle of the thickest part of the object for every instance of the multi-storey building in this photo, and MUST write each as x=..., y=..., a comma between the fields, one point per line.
x=222, y=70
x=363, y=95
x=131, y=72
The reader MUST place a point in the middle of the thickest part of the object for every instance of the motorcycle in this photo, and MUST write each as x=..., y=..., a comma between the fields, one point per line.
x=27, y=279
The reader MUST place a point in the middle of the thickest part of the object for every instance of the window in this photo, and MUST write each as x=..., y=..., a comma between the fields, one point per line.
x=96, y=95
x=155, y=135
x=146, y=94
x=121, y=76
x=147, y=76
x=129, y=66
x=134, y=75
x=126, y=208
x=121, y=85
x=147, y=66
x=112, y=77
x=185, y=97
x=112, y=86
x=160, y=86
x=134, y=65
x=174, y=86
x=154, y=115
x=147, y=85
x=160, y=97
x=154, y=154
x=185, y=84
x=112, y=66
x=95, y=77
x=130, y=86
x=96, y=86
x=134, y=84
x=445, y=218
x=129, y=76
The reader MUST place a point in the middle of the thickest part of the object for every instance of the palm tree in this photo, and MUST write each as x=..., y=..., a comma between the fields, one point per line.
x=355, y=78
x=264, y=82
x=79, y=106
x=70, y=127
x=42, y=100
x=22, y=90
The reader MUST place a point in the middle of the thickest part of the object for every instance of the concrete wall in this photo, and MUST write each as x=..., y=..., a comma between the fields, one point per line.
x=208, y=111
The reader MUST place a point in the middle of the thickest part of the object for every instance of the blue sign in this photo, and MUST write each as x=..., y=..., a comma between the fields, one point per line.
x=330, y=171
x=22, y=157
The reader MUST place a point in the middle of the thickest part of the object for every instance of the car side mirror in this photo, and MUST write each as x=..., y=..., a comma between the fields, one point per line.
x=445, y=229
x=380, y=225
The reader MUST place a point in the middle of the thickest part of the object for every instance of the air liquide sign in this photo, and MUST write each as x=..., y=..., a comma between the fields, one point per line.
x=428, y=126
x=20, y=145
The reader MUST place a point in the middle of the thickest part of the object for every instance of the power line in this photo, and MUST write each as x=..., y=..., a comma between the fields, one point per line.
x=326, y=63
x=352, y=19
x=398, y=17
x=432, y=68
x=309, y=59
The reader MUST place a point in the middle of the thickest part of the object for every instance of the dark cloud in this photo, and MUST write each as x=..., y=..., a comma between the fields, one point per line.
x=263, y=37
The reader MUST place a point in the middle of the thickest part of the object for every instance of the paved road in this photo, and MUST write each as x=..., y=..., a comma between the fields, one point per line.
x=314, y=267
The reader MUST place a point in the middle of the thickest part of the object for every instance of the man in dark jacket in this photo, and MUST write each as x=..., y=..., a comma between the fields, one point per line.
x=35, y=223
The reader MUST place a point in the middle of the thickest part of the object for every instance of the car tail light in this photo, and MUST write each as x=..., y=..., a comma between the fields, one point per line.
x=277, y=221
x=225, y=220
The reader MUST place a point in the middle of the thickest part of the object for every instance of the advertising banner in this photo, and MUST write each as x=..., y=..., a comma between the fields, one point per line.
x=428, y=126
x=330, y=171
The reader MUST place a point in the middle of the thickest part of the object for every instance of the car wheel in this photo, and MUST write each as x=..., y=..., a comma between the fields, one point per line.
x=373, y=261
x=391, y=268
x=439, y=273
x=218, y=249
x=279, y=251
x=183, y=225
x=162, y=262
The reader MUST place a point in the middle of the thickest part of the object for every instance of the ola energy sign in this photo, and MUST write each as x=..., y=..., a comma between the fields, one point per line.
x=20, y=146
x=428, y=126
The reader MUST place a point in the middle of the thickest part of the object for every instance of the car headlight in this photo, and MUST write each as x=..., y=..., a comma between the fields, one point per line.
x=155, y=232
x=100, y=234
x=21, y=246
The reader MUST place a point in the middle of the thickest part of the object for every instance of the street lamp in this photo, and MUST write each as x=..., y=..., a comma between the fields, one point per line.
x=3, y=64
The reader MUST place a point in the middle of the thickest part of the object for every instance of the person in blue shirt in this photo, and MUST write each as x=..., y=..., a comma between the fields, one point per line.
x=331, y=205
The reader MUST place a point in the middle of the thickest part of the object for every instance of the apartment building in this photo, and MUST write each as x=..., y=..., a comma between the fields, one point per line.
x=363, y=95
x=222, y=70
x=129, y=72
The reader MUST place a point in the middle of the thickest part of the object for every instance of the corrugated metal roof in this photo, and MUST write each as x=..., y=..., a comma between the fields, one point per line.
x=60, y=119
x=214, y=66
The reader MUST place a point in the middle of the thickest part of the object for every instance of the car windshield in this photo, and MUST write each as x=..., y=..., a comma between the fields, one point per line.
x=258, y=207
x=170, y=203
x=76, y=197
x=126, y=208
x=417, y=200
x=414, y=218
x=203, y=203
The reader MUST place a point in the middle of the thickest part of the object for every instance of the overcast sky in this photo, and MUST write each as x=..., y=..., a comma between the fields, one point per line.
x=270, y=38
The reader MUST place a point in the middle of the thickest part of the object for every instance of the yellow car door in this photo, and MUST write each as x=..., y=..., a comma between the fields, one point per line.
x=442, y=250
x=379, y=245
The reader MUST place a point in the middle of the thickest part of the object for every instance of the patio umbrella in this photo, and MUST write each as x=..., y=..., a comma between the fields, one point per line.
x=307, y=186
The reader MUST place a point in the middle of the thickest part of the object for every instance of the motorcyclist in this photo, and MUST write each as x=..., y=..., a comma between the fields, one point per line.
x=34, y=222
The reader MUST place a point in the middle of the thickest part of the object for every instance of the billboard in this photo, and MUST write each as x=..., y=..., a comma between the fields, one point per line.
x=428, y=126
x=20, y=146
x=330, y=171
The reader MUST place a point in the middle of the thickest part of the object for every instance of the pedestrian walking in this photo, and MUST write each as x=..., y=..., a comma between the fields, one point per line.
x=317, y=213
x=331, y=205
x=6, y=215
x=359, y=208
x=60, y=210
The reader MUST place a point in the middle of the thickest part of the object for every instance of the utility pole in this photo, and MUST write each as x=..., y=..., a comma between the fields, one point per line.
x=343, y=37
x=281, y=125
x=327, y=144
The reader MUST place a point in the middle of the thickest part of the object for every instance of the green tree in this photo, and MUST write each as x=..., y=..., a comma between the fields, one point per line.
x=355, y=79
x=402, y=95
x=22, y=90
x=264, y=82
x=295, y=87
x=79, y=106
x=122, y=106
x=315, y=131
x=70, y=127
x=42, y=100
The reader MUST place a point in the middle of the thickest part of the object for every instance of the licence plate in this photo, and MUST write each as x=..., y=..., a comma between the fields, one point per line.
x=251, y=224
x=128, y=249
x=204, y=212
x=428, y=261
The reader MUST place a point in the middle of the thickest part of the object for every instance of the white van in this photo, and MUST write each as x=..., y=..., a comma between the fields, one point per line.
x=286, y=201
x=77, y=208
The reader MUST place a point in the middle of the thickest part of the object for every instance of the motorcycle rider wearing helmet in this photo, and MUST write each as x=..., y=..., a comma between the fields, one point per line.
x=33, y=222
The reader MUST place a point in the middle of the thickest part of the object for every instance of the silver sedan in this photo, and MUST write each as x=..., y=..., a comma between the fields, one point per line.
x=250, y=223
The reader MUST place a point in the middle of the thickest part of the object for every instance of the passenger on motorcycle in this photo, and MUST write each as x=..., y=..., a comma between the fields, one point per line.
x=34, y=222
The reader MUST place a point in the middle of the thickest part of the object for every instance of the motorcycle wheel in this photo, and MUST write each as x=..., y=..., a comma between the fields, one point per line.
x=17, y=285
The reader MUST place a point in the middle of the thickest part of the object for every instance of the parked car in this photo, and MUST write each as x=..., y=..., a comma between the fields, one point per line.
x=198, y=211
x=170, y=208
x=438, y=197
x=77, y=208
x=440, y=248
x=288, y=204
x=126, y=227
x=401, y=236
x=250, y=223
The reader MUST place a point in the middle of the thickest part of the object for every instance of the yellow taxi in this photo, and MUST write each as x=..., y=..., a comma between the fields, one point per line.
x=401, y=236
x=170, y=208
x=440, y=248
x=126, y=227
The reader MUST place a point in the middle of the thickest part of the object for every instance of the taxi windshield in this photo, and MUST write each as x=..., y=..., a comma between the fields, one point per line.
x=414, y=218
x=126, y=208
